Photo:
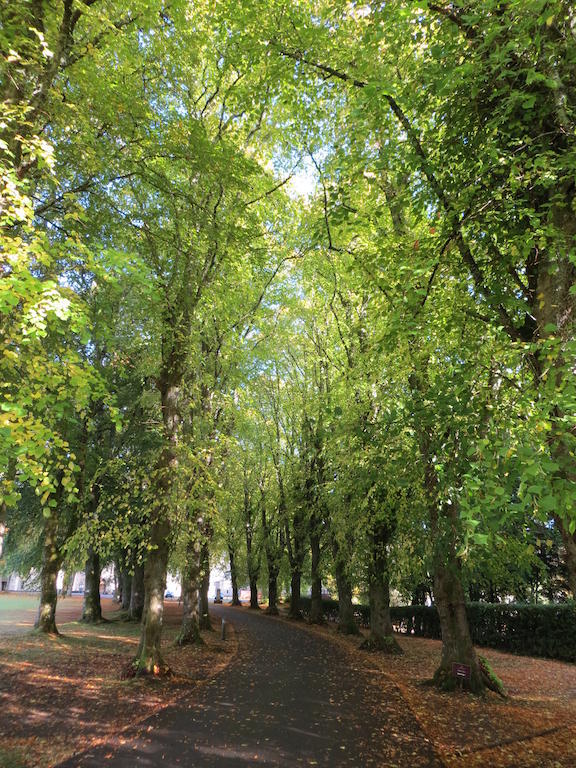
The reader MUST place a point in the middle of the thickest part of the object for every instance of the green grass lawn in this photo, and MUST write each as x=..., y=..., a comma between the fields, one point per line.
x=17, y=612
x=17, y=601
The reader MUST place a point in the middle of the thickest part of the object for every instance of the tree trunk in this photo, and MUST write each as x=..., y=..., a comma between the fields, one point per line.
x=136, y=608
x=419, y=595
x=457, y=647
x=205, y=622
x=126, y=582
x=92, y=608
x=149, y=657
x=381, y=636
x=252, y=552
x=254, y=593
x=316, y=609
x=46, y=621
x=190, y=630
x=295, y=611
x=234, y=577
x=272, y=609
x=346, y=622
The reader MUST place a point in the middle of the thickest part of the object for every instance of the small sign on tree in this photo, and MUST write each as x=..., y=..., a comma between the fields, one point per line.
x=461, y=671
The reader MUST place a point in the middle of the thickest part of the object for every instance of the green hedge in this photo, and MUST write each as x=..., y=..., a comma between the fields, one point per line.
x=530, y=630
x=525, y=629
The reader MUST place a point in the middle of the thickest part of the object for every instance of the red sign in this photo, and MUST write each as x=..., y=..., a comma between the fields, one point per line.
x=461, y=671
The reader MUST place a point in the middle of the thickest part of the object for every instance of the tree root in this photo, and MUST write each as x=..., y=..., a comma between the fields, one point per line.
x=189, y=638
x=487, y=679
x=387, y=645
x=348, y=629
x=138, y=668
x=491, y=679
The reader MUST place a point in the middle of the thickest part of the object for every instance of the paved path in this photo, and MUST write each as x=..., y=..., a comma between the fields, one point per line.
x=289, y=698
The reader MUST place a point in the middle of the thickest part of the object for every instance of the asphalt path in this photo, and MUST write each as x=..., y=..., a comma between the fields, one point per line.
x=290, y=697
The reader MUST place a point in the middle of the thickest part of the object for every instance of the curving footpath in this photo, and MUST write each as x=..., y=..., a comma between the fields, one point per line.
x=289, y=698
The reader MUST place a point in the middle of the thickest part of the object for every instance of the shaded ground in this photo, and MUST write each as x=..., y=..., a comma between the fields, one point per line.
x=293, y=695
x=534, y=728
x=289, y=699
x=60, y=695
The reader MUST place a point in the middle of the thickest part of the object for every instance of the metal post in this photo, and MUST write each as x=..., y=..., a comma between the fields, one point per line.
x=223, y=629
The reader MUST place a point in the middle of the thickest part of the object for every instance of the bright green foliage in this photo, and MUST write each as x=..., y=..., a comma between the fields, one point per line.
x=188, y=347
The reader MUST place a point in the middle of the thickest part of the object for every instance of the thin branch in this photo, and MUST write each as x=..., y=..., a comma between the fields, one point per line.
x=463, y=247
x=269, y=192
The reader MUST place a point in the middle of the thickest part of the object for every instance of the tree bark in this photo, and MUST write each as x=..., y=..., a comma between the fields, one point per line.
x=136, y=607
x=252, y=551
x=273, y=550
x=205, y=622
x=149, y=658
x=381, y=636
x=190, y=630
x=46, y=620
x=346, y=622
x=92, y=608
x=457, y=647
x=272, y=609
x=296, y=553
x=254, y=593
x=295, y=611
x=126, y=587
x=316, y=609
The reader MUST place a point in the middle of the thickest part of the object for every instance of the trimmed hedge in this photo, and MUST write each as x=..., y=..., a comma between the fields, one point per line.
x=522, y=628
x=529, y=630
